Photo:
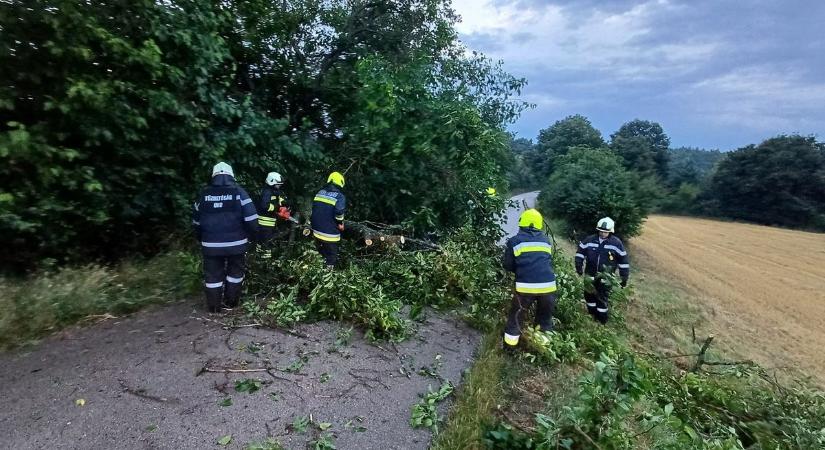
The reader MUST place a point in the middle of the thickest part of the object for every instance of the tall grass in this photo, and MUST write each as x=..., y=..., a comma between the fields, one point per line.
x=48, y=301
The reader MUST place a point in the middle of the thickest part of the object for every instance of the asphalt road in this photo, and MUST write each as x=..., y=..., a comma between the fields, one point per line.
x=139, y=383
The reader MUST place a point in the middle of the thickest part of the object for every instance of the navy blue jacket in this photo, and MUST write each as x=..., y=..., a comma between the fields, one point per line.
x=328, y=208
x=271, y=201
x=603, y=256
x=529, y=255
x=224, y=218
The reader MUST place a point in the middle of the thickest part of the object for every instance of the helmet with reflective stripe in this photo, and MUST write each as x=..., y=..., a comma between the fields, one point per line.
x=223, y=168
x=606, y=224
x=491, y=191
x=273, y=178
x=531, y=218
x=336, y=178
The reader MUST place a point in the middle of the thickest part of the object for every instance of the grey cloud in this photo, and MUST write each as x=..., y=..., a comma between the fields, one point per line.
x=714, y=73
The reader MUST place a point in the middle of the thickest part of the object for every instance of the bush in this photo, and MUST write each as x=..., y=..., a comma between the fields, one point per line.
x=589, y=184
x=375, y=289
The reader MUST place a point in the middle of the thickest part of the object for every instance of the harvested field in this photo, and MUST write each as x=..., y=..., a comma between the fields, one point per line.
x=761, y=289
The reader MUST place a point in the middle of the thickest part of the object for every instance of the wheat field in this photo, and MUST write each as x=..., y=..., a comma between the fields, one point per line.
x=761, y=289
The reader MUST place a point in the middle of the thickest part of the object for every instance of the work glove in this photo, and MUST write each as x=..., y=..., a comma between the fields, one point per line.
x=284, y=213
x=341, y=227
x=624, y=284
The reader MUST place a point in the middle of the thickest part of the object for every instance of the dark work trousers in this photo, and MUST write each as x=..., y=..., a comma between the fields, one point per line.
x=223, y=279
x=329, y=250
x=545, y=305
x=265, y=234
x=597, y=300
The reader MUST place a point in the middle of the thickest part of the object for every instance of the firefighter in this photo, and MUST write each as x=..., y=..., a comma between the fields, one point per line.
x=272, y=207
x=529, y=255
x=225, y=222
x=327, y=220
x=601, y=254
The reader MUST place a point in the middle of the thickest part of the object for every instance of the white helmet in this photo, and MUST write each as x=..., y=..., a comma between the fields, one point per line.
x=223, y=168
x=606, y=224
x=274, y=178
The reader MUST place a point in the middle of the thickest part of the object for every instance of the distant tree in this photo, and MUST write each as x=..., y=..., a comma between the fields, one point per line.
x=643, y=145
x=778, y=182
x=557, y=139
x=521, y=145
x=690, y=165
x=592, y=183
x=522, y=174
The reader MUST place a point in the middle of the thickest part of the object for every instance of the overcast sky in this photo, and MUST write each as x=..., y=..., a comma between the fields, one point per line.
x=715, y=74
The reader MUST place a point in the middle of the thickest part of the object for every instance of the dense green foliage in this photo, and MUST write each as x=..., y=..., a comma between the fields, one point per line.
x=691, y=165
x=523, y=173
x=592, y=183
x=557, y=140
x=643, y=145
x=114, y=112
x=379, y=292
x=778, y=182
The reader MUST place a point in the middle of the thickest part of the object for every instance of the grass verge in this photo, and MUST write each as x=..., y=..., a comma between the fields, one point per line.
x=621, y=386
x=478, y=398
x=48, y=301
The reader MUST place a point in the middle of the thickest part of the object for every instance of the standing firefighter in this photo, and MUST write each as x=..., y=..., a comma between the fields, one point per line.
x=272, y=206
x=327, y=218
x=225, y=221
x=601, y=254
x=529, y=255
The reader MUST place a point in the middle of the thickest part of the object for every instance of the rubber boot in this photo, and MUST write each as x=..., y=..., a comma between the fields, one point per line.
x=213, y=299
x=232, y=295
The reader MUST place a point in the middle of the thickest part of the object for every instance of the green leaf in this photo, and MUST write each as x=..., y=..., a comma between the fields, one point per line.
x=668, y=409
x=323, y=426
x=248, y=385
x=225, y=440
x=225, y=402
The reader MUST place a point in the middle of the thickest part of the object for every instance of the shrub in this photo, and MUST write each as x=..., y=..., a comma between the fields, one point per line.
x=591, y=183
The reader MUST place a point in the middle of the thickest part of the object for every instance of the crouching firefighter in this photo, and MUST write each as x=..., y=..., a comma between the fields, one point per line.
x=225, y=222
x=529, y=255
x=272, y=208
x=598, y=255
x=327, y=220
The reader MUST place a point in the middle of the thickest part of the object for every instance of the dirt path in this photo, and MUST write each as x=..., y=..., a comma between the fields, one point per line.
x=138, y=377
x=763, y=288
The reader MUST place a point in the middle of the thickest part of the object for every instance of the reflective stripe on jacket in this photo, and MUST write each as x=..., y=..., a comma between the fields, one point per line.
x=328, y=208
x=605, y=256
x=224, y=218
x=529, y=255
x=271, y=201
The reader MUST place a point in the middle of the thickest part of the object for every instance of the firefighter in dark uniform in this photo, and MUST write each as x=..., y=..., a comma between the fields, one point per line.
x=327, y=220
x=529, y=255
x=597, y=255
x=272, y=208
x=225, y=223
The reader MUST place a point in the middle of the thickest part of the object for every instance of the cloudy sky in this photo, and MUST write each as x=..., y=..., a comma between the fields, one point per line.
x=715, y=74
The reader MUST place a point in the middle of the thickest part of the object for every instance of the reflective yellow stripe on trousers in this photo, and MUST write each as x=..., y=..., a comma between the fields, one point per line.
x=326, y=237
x=536, y=288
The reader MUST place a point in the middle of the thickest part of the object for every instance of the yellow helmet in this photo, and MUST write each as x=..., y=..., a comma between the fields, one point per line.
x=336, y=178
x=491, y=191
x=531, y=218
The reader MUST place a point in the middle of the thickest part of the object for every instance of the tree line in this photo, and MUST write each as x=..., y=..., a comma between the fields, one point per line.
x=112, y=113
x=780, y=181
